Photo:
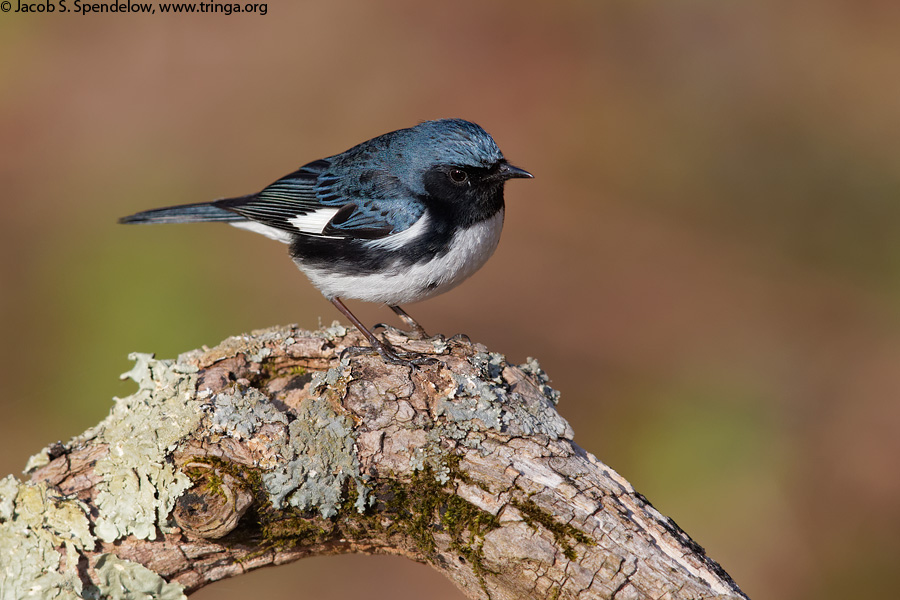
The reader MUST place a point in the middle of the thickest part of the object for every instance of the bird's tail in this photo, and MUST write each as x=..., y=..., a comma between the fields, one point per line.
x=186, y=213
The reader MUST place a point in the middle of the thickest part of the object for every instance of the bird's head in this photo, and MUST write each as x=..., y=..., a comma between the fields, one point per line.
x=456, y=163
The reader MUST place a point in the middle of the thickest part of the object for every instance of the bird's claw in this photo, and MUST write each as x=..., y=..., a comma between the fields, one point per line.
x=391, y=356
x=413, y=333
x=415, y=360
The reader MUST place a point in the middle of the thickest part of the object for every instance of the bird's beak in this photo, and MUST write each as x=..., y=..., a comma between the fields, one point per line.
x=507, y=171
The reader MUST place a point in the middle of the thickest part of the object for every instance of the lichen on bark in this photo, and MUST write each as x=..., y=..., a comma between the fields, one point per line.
x=271, y=447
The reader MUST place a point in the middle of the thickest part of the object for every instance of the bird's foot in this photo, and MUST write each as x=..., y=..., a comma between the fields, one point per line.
x=462, y=338
x=416, y=333
x=390, y=355
x=415, y=345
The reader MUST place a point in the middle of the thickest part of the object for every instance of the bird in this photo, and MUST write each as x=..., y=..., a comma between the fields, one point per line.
x=399, y=218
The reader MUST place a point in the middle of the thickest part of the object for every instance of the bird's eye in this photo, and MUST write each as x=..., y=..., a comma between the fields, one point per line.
x=458, y=176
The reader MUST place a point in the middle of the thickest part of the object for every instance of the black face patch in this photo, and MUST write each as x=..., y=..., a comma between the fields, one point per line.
x=478, y=199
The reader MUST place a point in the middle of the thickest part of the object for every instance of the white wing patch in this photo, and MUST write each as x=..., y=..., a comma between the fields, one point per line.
x=398, y=240
x=272, y=233
x=315, y=221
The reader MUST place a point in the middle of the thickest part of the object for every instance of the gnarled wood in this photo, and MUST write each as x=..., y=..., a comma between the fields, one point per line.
x=270, y=448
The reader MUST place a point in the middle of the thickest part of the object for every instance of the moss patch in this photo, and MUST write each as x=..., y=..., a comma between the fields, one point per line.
x=563, y=533
x=423, y=507
x=279, y=528
x=419, y=509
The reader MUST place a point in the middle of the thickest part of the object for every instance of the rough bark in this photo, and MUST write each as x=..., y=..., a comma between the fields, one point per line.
x=269, y=448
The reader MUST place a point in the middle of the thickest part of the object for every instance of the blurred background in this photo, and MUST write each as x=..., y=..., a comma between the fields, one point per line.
x=707, y=262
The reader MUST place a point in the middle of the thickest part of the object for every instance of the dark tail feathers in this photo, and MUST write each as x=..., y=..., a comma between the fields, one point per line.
x=186, y=213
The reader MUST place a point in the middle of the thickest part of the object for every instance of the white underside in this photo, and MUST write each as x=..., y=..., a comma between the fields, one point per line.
x=470, y=249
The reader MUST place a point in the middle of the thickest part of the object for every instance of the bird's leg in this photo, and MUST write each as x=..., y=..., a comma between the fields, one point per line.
x=417, y=330
x=414, y=331
x=383, y=349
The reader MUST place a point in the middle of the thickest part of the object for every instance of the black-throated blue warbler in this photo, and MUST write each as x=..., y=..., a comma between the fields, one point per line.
x=400, y=218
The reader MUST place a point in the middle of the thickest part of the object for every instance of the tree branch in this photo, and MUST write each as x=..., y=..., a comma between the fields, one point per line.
x=269, y=448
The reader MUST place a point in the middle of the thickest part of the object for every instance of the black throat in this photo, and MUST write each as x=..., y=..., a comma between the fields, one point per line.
x=462, y=205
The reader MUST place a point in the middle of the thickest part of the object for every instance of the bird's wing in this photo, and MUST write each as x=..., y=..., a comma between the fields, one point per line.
x=363, y=203
x=289, y=204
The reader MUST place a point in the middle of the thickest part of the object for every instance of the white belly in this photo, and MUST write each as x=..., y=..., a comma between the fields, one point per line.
x=470, y=250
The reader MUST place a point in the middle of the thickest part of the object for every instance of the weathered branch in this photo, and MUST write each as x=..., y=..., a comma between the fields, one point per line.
x=269, y=448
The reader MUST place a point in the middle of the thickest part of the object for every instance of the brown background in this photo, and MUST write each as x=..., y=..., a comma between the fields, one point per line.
x=707, y=262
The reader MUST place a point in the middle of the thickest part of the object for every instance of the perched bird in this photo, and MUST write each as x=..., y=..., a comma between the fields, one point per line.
x=400, y=218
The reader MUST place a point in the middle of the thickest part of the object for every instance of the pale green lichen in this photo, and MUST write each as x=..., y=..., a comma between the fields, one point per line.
x=36, y=461
x=120, y=579
x=136, y=491
x=320, y=455
x=9, y=489
x=34, y=522
x=138, y=487
x=63, y=518
x=31, y=566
